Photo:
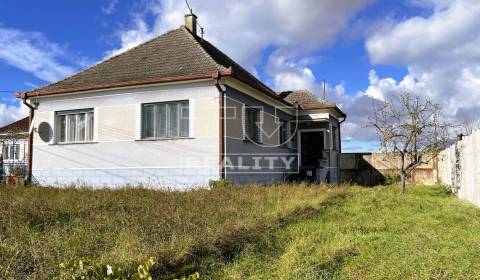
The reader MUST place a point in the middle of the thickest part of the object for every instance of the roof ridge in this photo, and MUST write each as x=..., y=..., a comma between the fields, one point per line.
x=232, y=61
x=201, y=48
x=102, y=61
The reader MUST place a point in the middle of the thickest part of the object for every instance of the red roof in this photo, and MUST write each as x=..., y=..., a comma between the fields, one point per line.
x=18, y=126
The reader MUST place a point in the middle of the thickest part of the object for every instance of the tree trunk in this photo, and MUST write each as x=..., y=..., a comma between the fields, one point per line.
x=402, y=183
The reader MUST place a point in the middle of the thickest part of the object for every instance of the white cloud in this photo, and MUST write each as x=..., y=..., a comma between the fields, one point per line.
x=11, y=113
x=441, y=52
x=110, y=7
x=33, y=53
x=252, y=25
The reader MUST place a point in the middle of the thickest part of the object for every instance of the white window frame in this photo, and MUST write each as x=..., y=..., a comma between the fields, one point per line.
x=89, y=131
x=168, y=118
x=257, y=133
x=7, y=149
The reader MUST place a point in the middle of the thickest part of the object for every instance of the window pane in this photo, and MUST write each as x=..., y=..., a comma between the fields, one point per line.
x=184, y=119
x=248, y=122
x=252, y=117
x=161, y=120
x=173, y=119
x=148, y=121
x=81, y=126
x=90, y=126
x=72, y=128
x=62, y=129
x=5, y=151
x=17, y=151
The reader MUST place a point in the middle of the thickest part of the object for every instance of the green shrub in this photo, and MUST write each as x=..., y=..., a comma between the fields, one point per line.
x=16, y=170
x=220, y=184
x=392, y=178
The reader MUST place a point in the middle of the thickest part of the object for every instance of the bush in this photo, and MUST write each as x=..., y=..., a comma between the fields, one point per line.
x=392, y=178
x=16, y=170
x=220, y=184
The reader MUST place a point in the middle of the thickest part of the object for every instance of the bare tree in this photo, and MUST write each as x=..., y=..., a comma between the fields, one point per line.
x=410, y=132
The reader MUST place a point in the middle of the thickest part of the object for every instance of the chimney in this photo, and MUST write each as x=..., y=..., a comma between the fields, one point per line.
x=191, y=23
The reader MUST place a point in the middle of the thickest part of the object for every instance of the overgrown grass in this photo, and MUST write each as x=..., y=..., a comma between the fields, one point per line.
x=42, y=227
x=372, y=234
x=279, y=232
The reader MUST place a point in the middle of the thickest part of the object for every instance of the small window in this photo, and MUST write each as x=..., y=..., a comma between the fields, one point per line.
x=284, y=132
x=74, y=126
x=252, y=117
x=165, y=120
x=11, y=151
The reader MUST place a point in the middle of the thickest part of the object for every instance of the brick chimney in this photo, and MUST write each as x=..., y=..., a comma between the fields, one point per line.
x=191, y=23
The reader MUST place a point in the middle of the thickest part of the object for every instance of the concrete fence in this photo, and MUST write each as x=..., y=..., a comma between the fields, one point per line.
x=459, y=167
x=371, y=169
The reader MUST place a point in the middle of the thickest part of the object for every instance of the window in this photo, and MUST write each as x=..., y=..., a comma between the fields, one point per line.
x=165, y=120
x=252, y=117
x=74, y=126
x=284, y=132
x=11, y=151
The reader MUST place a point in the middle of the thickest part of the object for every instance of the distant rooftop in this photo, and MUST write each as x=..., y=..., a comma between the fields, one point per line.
x=18, y=126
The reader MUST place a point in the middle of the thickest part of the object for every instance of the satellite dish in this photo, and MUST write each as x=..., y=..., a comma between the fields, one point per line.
x=45, y=132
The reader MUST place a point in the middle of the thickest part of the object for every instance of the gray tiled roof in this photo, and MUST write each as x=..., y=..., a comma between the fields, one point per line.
x=175, y=54
x=302, y=97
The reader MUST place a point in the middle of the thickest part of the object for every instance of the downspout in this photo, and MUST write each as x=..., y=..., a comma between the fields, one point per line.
x=221, y=133
x=28, y=179
x=339, y=134
x=339, y=175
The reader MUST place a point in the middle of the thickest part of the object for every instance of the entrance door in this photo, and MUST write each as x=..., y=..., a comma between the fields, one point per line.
x=312, y=143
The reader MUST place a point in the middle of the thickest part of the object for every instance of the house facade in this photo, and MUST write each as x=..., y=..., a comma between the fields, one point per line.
x=13, y=146
x=177, y=112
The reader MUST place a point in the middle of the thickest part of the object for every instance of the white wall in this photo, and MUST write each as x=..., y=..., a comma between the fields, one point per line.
x=459, y=167
x=118, y=157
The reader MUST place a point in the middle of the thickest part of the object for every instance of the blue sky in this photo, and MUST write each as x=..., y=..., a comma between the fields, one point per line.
x=364, y=49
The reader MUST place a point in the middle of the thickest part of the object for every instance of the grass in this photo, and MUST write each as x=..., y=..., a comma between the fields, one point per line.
x=371, y=234
x=42, y=227
x=279, y=232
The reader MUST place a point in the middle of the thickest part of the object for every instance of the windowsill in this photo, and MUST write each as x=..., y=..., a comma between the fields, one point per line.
x=74, y=143
x=163, y=139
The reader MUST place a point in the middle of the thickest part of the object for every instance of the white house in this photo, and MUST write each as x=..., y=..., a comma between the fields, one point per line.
x=13, y=146
x=177, y=112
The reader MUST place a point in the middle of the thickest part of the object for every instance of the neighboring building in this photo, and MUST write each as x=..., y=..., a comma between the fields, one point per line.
x=176, y=111
x=13, y=145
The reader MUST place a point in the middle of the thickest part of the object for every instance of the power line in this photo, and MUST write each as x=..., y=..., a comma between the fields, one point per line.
x=202, y=29
x=188, y=5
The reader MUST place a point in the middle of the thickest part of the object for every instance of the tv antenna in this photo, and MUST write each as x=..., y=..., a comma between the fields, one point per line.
x=202, y=30
x=188, y=6
x=324, y=90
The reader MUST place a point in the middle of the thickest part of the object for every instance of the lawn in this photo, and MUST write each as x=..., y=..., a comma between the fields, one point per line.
x=277, y=232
